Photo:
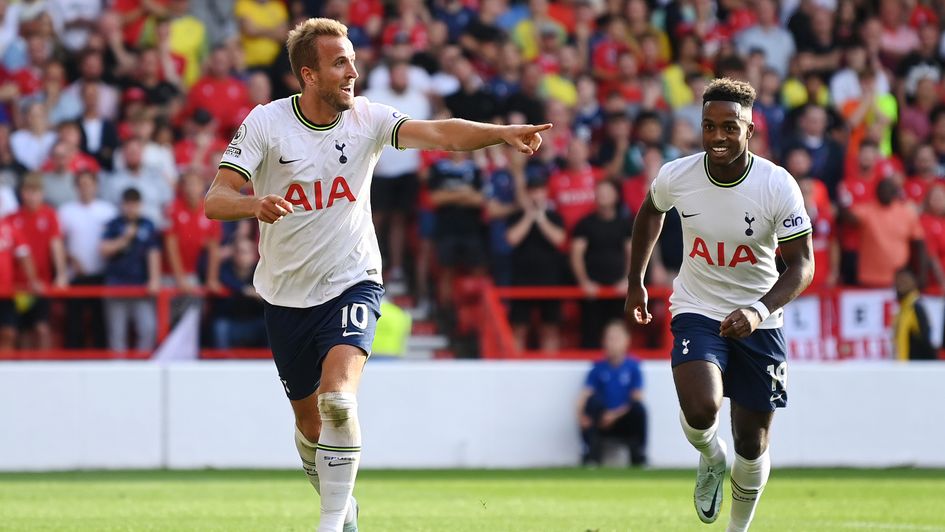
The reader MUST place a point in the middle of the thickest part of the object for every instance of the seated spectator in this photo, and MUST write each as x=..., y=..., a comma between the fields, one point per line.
x=83, y=223
x=132, y=254
x=39, y=225
x=31, y=145
x=600, y=252
x=611, y=403
x=536, y=236
x=911, y=331
x=456, y=193
x=238, y=316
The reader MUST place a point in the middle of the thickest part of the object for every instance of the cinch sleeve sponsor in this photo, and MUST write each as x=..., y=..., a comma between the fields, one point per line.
x=793, y=221
x=386, y=122
x=248, y=146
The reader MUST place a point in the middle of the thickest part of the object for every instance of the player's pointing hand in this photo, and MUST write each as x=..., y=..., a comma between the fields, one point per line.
x=524, y=138
x=272, y=208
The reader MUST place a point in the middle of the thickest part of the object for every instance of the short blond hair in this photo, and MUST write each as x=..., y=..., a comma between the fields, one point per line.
x=302, y=42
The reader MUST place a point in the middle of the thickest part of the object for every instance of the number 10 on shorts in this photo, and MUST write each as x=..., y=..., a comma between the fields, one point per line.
x=357, y=314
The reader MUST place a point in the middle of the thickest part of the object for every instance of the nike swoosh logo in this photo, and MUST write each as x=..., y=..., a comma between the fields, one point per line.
x=711, y=511
x=283, y=161
x=684, y=215
x=336, y=464
x=346, y=334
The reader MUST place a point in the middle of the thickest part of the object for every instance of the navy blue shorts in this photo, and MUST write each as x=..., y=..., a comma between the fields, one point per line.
x=300, y=338
x=754, y=369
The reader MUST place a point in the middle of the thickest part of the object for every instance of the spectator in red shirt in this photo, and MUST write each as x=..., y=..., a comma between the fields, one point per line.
x=933, y=223
x=192, y=237
x=571, y=189
x=14, y=253
x=218, y=92
x=608, y=49
x=201, y=146
x=927, y=174
x=39, y=225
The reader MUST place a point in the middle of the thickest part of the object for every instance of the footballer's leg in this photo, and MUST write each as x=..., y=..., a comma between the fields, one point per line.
x=756, y=382
x=699, y=357
x=752, y=463
x=338, y=450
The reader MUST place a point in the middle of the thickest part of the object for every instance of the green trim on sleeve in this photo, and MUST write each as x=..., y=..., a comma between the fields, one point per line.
x=240, y=170
x=395, y=131
x=795, y=236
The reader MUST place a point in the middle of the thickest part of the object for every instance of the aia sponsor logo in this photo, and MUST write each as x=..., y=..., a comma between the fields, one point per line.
x=312, y=197
x=742, y=253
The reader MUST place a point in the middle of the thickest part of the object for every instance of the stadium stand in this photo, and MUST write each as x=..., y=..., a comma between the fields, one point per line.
x=98, y=97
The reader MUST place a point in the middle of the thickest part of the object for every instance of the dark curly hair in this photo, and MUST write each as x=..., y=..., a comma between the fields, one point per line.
x=729, y=90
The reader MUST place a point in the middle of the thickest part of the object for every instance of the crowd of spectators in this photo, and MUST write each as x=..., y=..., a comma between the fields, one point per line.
x=114, y=114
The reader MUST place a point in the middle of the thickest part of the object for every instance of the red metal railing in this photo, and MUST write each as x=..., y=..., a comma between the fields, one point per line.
x=496, y=338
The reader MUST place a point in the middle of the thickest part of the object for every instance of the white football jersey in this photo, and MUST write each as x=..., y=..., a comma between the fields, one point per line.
x=328, y=243
x=730, y=233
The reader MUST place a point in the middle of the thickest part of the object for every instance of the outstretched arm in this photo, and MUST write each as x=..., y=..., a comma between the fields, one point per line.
x=646, y=230
x=798, y=256
x=462, y=135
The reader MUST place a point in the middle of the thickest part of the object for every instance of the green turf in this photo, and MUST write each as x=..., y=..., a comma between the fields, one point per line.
x=460, y=501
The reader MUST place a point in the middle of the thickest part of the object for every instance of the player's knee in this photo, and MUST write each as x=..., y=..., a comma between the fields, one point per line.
x=310, y=428
x=752, y=447
x=701, y=415
x=338, y=408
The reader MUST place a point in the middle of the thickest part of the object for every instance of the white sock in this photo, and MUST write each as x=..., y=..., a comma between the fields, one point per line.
x=748, y=481
x=705, y=441
x=337, y=456
x=307, y=453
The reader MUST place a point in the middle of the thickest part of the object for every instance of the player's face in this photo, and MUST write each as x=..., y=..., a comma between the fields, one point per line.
x=726, y=128
x=334, y=79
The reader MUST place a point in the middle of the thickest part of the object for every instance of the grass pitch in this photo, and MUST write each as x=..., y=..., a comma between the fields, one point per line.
x=465, y=501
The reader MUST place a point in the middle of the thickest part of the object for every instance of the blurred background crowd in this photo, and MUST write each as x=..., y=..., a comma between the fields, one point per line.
x=114, y=114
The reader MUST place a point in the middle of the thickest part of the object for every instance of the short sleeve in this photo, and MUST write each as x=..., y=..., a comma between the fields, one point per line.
x=636, y=383
x=591, y=380
x=386, y=122
x=112, y=230
x=792, y=221
x=582, y=229
x=659, y=191
x=248, y=146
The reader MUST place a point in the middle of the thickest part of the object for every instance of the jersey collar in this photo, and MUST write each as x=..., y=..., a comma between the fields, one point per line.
x=705, y=164
x=297, y=111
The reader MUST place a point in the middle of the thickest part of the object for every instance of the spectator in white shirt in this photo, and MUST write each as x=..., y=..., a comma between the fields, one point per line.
x=83, y=224
x=395, y=185
x=31, y=145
